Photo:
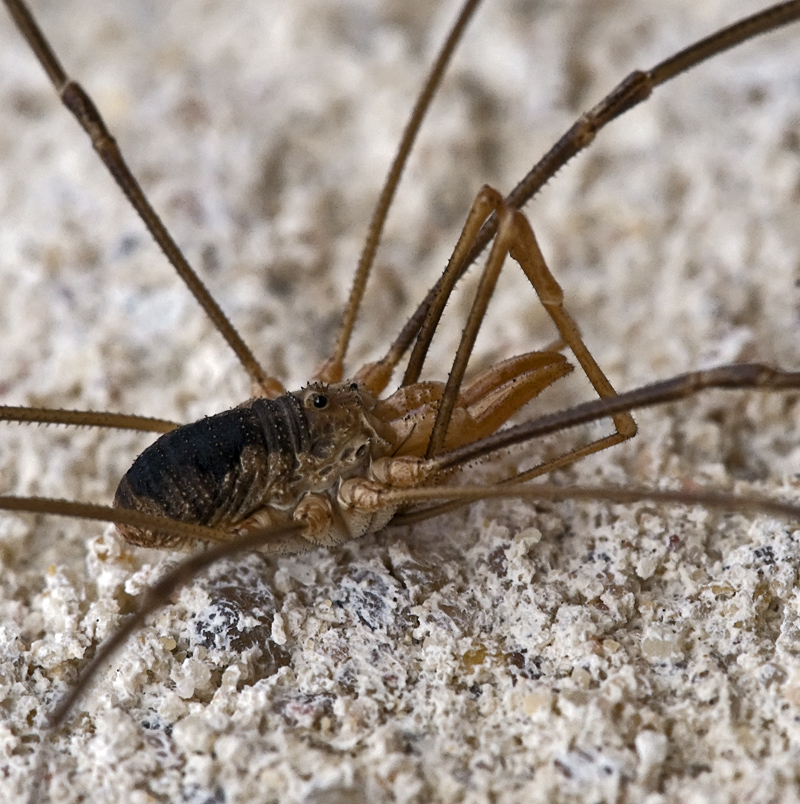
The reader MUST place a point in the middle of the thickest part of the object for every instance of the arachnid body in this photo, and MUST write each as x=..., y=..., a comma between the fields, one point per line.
x=566, y=658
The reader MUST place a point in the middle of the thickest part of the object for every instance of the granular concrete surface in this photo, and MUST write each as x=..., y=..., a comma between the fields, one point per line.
x=510, y=651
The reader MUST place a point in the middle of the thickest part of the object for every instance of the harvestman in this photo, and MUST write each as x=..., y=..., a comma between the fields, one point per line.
x=334, y=461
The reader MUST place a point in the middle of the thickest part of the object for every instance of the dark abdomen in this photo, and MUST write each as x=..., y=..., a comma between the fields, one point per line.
x=216, y=471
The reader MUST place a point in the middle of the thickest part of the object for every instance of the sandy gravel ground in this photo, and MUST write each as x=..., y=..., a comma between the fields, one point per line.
x=509, y=652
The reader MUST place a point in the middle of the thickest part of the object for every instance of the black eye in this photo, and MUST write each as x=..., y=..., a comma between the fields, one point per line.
x=361, y=450
x=353, y=386
x=319, y=401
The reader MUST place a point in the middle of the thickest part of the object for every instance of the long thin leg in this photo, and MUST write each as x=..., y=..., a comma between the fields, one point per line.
x=186, y=532
x=266, y=540
x=481, y=208
x=630, y=92
x=85, y=418
x=515, y=238
x=376, y=376
x=333, y=368
x=465, y=495
x=737, y=376
x=86, y=113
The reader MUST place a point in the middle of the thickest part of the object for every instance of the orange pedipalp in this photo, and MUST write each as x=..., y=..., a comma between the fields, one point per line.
x=482, y=407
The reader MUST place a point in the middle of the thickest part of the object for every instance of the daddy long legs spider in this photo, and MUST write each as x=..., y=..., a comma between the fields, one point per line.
x=736, y=316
